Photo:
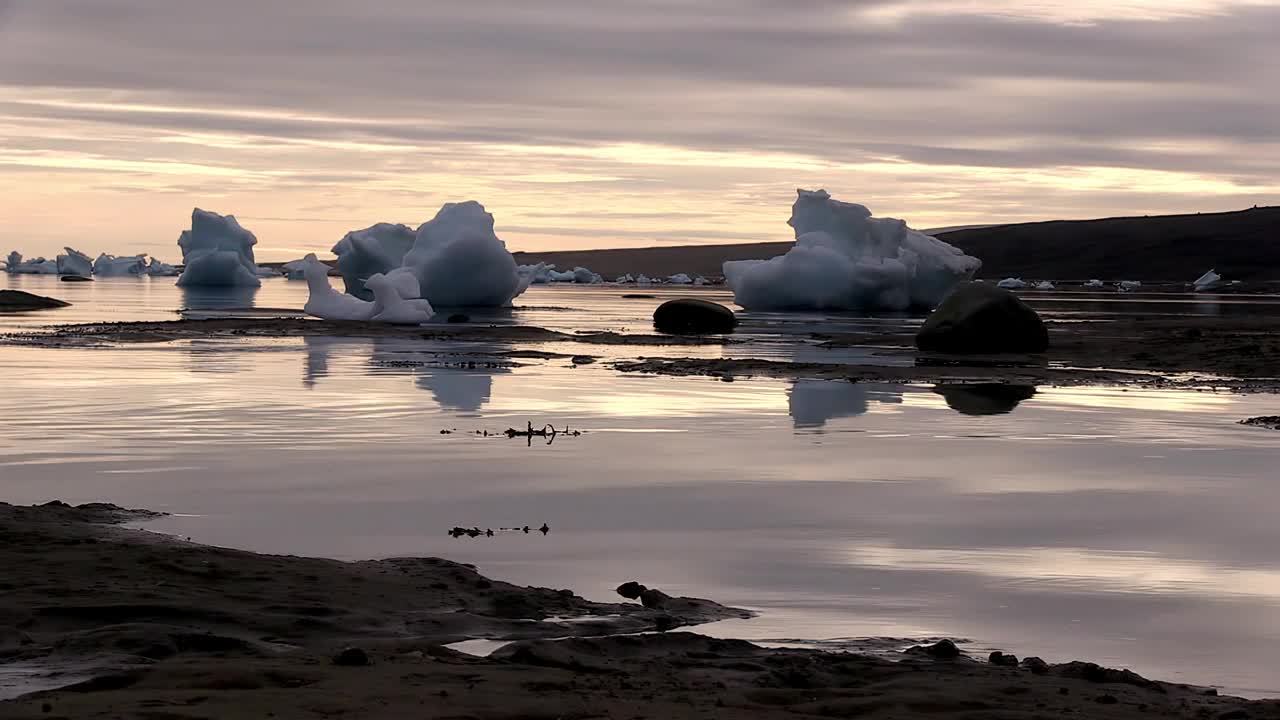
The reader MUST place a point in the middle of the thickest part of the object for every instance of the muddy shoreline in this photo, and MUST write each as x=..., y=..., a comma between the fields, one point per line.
x=150, y=626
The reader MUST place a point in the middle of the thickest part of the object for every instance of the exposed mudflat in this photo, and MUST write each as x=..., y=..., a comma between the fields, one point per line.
x=143, y=625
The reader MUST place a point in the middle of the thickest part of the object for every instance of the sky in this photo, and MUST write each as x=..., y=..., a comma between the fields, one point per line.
x=609, y=123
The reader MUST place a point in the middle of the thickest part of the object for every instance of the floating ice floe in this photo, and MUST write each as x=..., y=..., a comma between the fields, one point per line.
x=699, y=280
x=74, y=262
x=216, y=251
x=459, y=261
x=1128, y=285
x=643, y=279
x=680, y=279
x=624, y=279
x=296, y=269
x=846, y=259
x=1044, y=285
x=1095, y=283
x=539, y=274
x=397, y=299
x=1207, y=281
x=580, y=275
x=35, y=266
x=1012, y=283
x=156, y=268
x=326, y=303
x=111, y=266
x=376, y=249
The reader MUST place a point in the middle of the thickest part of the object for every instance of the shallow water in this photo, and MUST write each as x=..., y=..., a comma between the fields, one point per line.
x=1129, y=528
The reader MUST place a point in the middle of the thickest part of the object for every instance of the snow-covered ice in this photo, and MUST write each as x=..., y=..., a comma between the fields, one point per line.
x=217, y=252
x=1012, y=283
x=112, y=266
x=376, y=249
x=1207, y=281
x=846, y=259
x=459, y=261
x=74, y=262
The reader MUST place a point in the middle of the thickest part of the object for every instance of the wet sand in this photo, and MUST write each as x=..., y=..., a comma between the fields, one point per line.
x=150, y=626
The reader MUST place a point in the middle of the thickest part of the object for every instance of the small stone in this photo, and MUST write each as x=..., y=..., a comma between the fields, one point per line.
x=1035, y=665
x=999, y=658
x=459, y=318
x=1106, y=700
x=942, y=650
x=352, y=657
x=582, y=360
x=631, y=590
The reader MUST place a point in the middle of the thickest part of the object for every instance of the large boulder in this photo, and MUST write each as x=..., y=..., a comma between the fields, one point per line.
x=980, y=319
x=17, y=300
x=689, y=316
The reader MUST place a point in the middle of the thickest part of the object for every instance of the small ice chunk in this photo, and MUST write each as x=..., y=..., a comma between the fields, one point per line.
x=156, y=268
x=1095, y=283
x=539, y=274
x=643, y=279
x=1207, y=281
x=35, y=266
x=326, y=303
x=379, y=248
x=1128, y=285
x=397, y=299
x=217, y=252
x=1044, y=285
x=680, y=279
x=699, y=280
x=74, y=262
x=1012, y=283
x=623, y=279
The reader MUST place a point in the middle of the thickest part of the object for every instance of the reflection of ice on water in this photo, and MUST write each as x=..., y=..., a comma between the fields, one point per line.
x=218, y=298
x=812, y=403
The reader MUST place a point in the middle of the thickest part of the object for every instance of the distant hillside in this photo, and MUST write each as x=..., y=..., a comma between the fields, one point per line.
x=1242, y=245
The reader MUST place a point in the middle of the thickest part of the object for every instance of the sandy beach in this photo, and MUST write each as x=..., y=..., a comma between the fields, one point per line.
x=150, y=626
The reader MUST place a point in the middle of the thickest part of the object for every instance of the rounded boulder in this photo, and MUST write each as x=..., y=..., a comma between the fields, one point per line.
x=981, y=319
x=691, y=316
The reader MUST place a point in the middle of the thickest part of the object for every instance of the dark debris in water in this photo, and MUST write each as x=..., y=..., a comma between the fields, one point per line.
x=1270, y=422
x=475, y=532
x=548, y=432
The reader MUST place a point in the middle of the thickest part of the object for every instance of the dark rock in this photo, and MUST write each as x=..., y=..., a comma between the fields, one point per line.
x=980, y=319
x=1271, y=422
x=999, y=658
x=654, y=599
x=351, y=657
x=1035, y=665
x=631, y=590
x=16, y=300
x=690, y=316
x=1106, y=700
x=1095, y=673
x=984, y=398
x=941, y=650
x=1236, y=714
x=459, y=318
x=638, y=296
x=75, y=278
x=582, y=360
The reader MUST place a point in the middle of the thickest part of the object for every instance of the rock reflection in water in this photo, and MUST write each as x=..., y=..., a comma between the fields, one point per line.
x=984, y=398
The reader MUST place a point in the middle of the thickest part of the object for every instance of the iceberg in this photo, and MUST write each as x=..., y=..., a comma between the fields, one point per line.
x=217, y=252
x=539, y=274
x=579, y=275
x=1011, y=284
x=700, y=281
x=326, y=303
x=397, y=299
x=1095, y=283
x=459, y=261
x=296, y=269
x=680, y=279
x=623, y=279
x=74, y=262
x=379, y=248
x=1128, y=285
x=155, y=268
x=643, y=279
x=1207, y=281
x=35, y=266
x=112, y=266
x=1044, y=285
x=845, y=259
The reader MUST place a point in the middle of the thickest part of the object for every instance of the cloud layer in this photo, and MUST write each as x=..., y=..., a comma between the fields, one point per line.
x=585, y=123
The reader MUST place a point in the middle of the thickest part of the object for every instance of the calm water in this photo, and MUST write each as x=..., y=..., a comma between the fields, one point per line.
x=1130, y=528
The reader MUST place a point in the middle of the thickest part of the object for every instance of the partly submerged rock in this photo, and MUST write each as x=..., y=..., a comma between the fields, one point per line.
x=631, y=590
x=942, y=650
x=1271, y=422
x=351, y=657
x=979, y=319
x=75, y=278
x=17, y=300
x=691, y=316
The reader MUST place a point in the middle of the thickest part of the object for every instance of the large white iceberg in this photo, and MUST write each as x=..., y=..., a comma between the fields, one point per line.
x=217, y=252
x=396, y=297
x=459, y=261
x=112, y=266
x=35, y=266
x=845, y=259
x=74, y=262
x=376, y=249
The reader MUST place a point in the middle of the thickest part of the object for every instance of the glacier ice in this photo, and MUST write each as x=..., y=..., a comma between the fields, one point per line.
x=74, y=262
x=1012, y=283
x=296, y=269
x=1095, y=283
x=1044, y=285
x=217, y=252
x=844, y=258
x=459, y=261
x=35, y=266
x=1207, y=281
x=643, y=279
x=622, y=279
x=1129, y=285
x=326, y=303
x=579, y=275
x=379, y=248
x=397, y=299
x=680, y=279
x=699, y=281
x=539, y=274
x=112, y=266
x=156, y=268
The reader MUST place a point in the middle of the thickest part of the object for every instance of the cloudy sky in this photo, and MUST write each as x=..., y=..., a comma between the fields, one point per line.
x=598, y=123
